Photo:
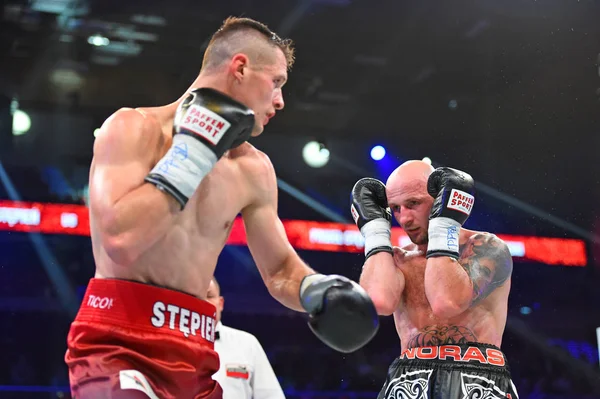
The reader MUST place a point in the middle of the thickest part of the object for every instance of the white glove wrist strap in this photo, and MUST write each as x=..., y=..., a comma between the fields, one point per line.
x=186, y=163
x=308, y=280
x=443, y=234
x=377, y=234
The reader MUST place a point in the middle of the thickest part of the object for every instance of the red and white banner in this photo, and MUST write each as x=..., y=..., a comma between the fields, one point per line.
x=303, y=234
x=44, y=218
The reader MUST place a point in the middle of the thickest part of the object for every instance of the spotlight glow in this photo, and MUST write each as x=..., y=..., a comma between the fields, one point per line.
x=427, y=160
x=21, y=122
x=525, y=310
x=98, y=40
x=315, y=154
x=377, y=153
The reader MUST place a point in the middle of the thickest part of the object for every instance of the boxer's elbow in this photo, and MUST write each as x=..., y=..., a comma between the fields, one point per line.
x=383, y=307
x=283, y=281
x=119, y=249
x=445, y=308
x=275, y=285
x=118, y=243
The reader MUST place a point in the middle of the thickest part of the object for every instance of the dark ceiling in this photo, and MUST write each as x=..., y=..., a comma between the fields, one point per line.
x=507, y=90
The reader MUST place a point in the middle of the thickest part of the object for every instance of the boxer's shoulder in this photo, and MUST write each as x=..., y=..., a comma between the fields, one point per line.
x=131, y=116
x=403, y=251
x=479, y=243
x=399, y=254
x=132, y=131
x=254, y=164
x=248, y=153
x=130, y=123
x=487, y=260
x=257, y=170
x=480, y=237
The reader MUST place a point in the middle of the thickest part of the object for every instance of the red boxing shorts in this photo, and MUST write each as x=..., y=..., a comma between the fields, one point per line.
x=132, y=340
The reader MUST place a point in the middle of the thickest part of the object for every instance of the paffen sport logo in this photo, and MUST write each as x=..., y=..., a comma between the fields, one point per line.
x=460, y=201
x=204, y=123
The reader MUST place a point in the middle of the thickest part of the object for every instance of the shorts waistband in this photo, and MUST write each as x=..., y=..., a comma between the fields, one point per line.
x=144, y=307
x=473, y=353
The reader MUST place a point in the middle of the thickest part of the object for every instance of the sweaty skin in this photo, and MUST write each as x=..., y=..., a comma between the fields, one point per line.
x=139, y=233
x=483, y=321
x=440, y=300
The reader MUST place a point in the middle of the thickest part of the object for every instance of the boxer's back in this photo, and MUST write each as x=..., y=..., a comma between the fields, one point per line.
x=416, y=323
x=184, y=258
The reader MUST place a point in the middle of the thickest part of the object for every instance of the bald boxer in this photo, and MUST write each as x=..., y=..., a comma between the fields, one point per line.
x=448, y=290
x=166, y=184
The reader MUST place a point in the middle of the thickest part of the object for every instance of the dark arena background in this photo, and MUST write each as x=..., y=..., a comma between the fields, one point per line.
x=508, y=91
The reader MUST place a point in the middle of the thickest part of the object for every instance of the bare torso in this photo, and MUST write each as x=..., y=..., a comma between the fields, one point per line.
x=415, y=321
x=185, y=257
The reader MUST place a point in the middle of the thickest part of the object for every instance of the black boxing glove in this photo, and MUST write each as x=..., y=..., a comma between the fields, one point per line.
x=372, y=215
x=207, y=123
x=452, y=191
x=341, y=312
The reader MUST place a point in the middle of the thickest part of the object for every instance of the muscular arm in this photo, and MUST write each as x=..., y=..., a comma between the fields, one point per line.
x=130, y=214
x=383, y=281
x=453, y=286
x=278, y=263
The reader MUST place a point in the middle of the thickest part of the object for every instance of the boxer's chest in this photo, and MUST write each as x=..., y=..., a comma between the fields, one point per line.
x=412, y=266
x=219, y=199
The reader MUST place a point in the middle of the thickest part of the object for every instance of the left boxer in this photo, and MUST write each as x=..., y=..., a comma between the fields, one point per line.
x=166, y=184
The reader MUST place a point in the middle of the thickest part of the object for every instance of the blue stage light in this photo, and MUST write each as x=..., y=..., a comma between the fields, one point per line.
x=377, y=153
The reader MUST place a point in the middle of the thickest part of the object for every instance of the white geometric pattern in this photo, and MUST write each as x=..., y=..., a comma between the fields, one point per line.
x=412, y=385
x=477, y=387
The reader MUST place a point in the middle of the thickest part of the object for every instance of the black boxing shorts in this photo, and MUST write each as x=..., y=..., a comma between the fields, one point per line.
x=461, y=371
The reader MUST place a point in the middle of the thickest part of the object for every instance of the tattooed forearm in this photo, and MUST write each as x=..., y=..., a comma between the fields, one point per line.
x=487, y=261
x=442, y=335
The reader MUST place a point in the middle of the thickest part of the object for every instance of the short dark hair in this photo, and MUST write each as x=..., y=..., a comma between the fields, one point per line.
x=214, y=54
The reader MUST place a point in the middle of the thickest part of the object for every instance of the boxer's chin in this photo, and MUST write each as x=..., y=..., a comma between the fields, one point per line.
x=418, y=237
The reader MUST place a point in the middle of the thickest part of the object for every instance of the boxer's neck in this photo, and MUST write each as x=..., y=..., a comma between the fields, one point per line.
x=216, y=81
x=212, y=81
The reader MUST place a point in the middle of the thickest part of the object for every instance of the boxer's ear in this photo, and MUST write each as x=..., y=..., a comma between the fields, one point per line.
x=238, y=65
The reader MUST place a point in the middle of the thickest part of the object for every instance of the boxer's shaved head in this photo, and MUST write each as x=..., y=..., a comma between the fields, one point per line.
x=406, y=191
x=410, y=173
x=249, y=37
